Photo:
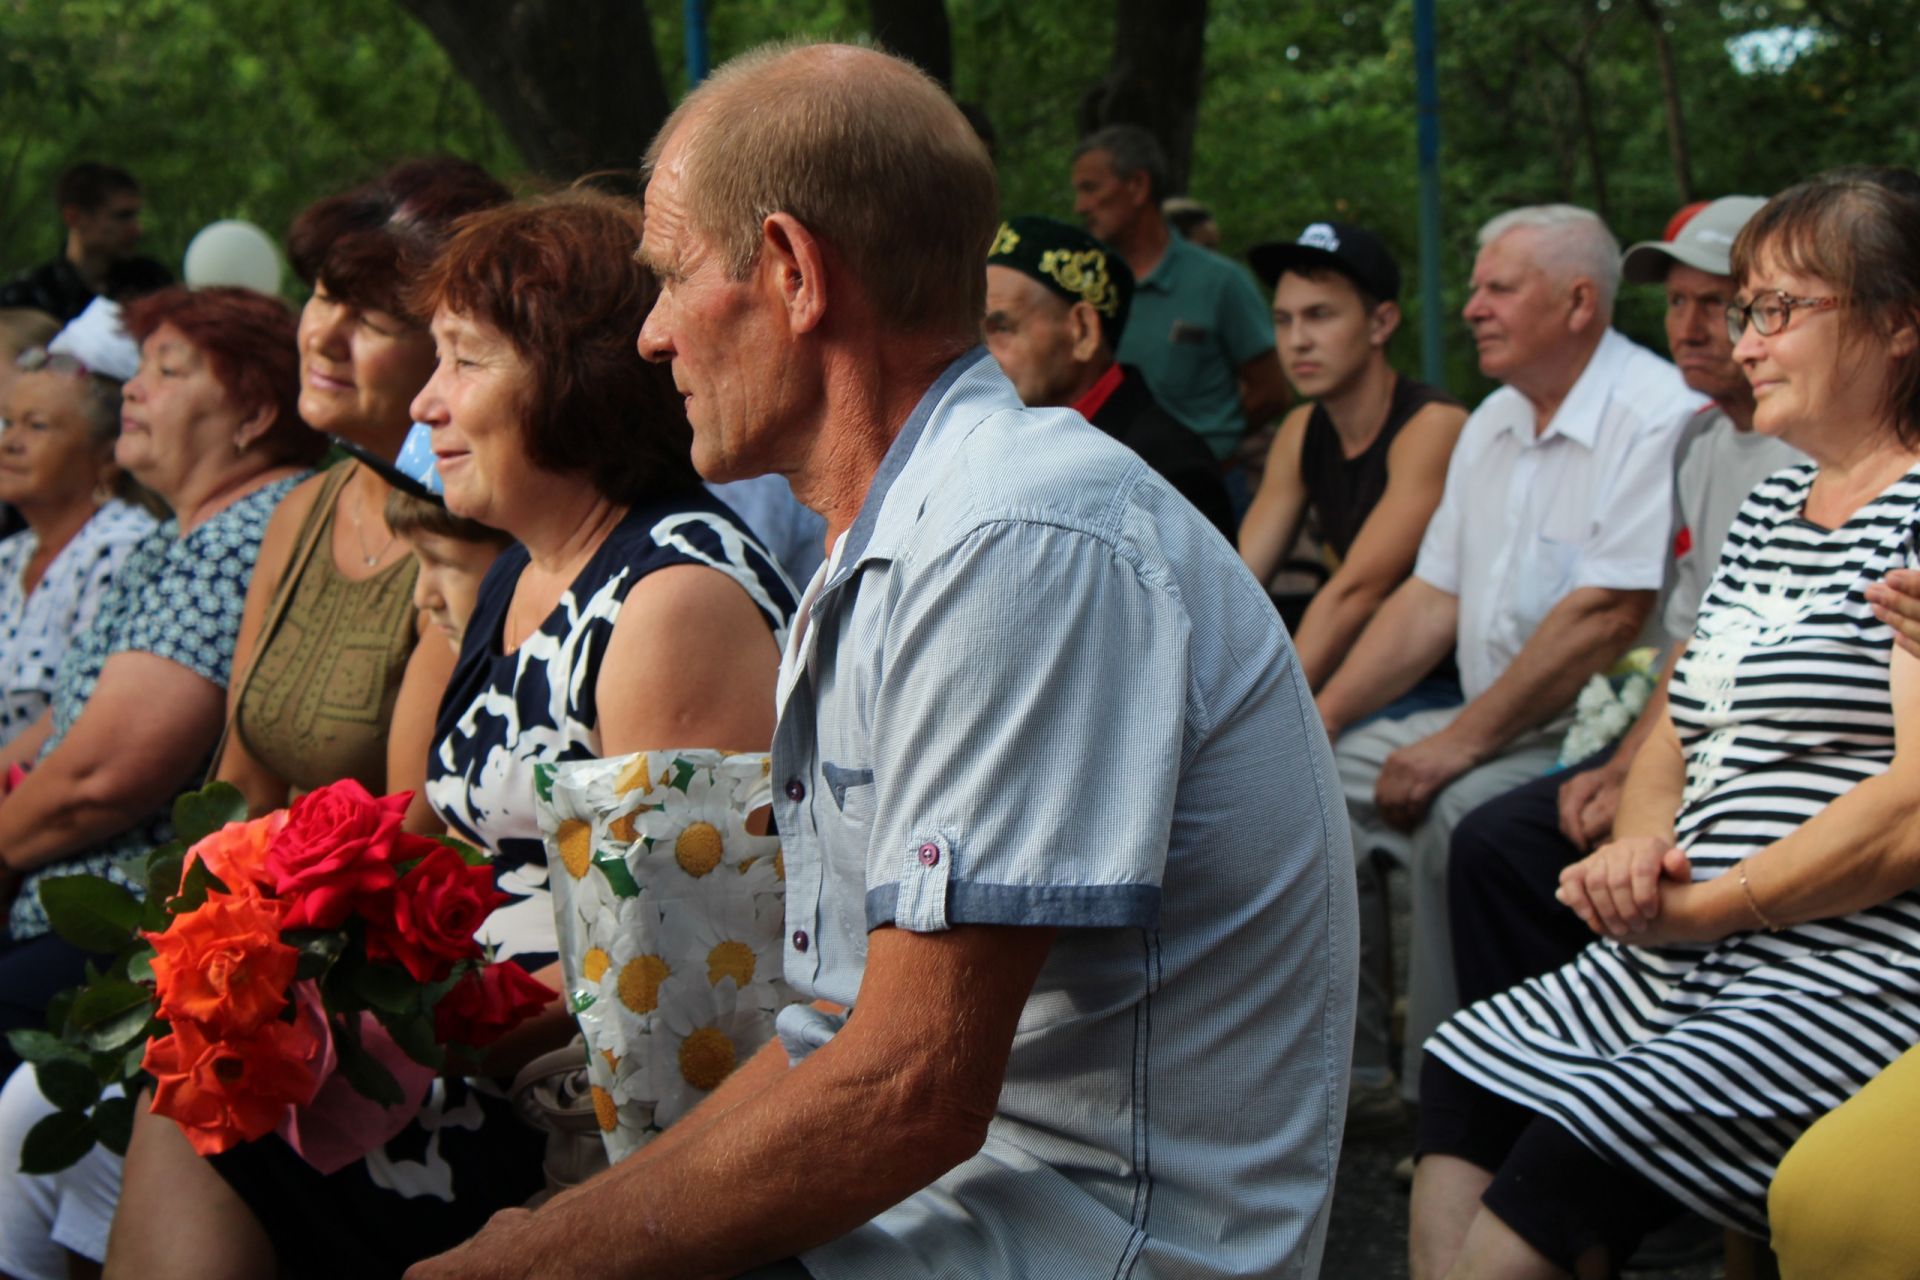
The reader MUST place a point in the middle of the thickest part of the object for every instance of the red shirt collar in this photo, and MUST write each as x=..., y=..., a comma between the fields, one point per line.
x=1099, y=393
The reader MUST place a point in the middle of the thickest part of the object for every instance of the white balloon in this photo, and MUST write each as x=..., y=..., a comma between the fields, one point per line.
x=236, y=253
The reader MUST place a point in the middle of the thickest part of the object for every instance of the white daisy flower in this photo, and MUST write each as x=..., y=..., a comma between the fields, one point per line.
x=697, y=829
x=703, y=1032
x=726, y=935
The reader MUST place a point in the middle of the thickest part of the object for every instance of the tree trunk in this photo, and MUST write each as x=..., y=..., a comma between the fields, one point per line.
x=1575, y=65
x=1670, y=100
x=918, y=31
x=575, y=83
x=1159, y=49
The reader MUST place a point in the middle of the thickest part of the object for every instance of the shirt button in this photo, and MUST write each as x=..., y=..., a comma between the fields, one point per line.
x=929, y=855
x=796, y=790
x=799, y=935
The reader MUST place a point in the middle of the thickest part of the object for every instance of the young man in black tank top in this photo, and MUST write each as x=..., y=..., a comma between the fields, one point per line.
x=1366, y=452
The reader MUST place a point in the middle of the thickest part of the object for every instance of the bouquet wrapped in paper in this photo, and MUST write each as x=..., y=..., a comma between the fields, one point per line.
x=670, y=916
x=302, y=974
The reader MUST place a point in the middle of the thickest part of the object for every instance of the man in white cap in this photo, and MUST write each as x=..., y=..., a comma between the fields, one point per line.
x=1507, y=854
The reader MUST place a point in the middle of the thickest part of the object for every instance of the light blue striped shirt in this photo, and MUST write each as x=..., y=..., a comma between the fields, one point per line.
x=1037, y=688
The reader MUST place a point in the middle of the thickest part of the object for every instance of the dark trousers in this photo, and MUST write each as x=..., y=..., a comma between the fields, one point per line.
x=31, y=974
x=1505, y=865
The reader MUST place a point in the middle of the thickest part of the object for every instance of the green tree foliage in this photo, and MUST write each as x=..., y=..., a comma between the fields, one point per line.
x=235, y=108
x=223, y=108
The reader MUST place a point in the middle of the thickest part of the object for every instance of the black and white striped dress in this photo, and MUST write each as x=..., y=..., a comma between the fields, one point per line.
x=1698, y=1066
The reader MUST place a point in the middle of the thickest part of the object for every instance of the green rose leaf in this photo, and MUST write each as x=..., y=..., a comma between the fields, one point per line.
x=31, y=1044
x=414, y=1034
x=113, y=1120
x=198, y=814
x=109, y=1014
x=89, y=912
x=372, y=1080
x=387, y=988
x=318, y=948
x=68, y=1085
x=193, y=889
x=140, y=965
x=57, y=1142
x=163, y=881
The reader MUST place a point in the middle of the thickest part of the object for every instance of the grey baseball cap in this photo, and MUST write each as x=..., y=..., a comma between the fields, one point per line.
x=1705, y=243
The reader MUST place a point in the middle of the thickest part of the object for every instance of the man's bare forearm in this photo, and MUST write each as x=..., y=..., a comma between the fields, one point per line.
x=1333, y=623
x=1583, y=635
x=1413, y=630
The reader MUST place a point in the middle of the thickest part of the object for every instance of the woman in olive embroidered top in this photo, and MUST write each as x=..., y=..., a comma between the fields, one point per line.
x=330, y=653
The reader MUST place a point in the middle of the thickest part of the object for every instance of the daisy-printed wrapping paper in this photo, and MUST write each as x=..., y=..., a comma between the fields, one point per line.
x=670, y=916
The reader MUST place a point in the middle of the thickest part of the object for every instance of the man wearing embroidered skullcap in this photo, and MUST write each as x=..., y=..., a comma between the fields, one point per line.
x=1057, y=303
x=1069, y=907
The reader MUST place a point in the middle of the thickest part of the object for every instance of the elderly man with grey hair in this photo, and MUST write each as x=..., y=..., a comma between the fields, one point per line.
x=1538, y=569
x=1067, y=886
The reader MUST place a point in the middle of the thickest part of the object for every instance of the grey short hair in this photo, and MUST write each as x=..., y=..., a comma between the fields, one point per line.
x=1572, y=242
x=1131, y=150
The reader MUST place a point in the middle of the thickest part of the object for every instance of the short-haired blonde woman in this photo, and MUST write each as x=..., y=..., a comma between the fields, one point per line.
x=1760, y=952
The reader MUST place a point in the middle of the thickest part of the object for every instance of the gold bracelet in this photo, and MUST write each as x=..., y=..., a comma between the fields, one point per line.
x=1753, y=903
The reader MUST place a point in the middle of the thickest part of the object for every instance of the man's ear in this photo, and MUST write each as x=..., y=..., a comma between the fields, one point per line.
x=794, y=263
x=1583, y=303
x=1382, y=324
x=70, y=215
x=1083, y=325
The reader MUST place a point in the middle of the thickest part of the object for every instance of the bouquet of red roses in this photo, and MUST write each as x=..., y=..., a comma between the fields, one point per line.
x=302, y=973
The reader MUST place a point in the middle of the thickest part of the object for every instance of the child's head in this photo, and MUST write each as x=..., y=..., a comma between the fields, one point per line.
x=453, y=554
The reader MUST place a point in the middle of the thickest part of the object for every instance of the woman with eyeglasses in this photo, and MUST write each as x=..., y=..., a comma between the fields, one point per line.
x=58, y=424
x=1758, y=959
x=208, y=424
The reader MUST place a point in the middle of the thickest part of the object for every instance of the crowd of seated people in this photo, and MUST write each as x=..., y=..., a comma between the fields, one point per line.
x=1636, y=979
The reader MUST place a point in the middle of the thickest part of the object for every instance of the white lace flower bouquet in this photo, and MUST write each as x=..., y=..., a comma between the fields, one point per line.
x=1608, y=706
x=670, y=918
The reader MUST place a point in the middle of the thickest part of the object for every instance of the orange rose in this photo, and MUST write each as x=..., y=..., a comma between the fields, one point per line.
x=237, y=852
x=228, y=1091
x=223, y=964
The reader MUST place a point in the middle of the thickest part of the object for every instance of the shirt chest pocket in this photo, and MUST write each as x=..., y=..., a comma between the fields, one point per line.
x=1543, y=574
x=849, y=807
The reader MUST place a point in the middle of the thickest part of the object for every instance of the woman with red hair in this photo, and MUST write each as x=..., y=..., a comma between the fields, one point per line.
x=637, y=613
x=208, y=424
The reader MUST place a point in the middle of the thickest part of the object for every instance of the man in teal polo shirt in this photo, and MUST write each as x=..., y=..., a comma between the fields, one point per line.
x=1199, y=330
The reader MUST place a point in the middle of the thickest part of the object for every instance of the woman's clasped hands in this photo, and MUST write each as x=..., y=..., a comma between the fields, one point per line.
x=1639, y=888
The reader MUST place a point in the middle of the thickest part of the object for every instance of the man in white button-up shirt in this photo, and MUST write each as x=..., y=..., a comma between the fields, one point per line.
x=1538, y=568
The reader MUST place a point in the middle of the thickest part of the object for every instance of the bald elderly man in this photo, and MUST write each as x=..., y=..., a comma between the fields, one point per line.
x=1068, y=882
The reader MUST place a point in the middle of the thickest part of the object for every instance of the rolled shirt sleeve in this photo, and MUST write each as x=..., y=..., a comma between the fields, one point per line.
x=1032, y=711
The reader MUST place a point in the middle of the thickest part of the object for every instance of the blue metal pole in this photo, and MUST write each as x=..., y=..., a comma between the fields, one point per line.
x=696, y=22
x=1432, y=320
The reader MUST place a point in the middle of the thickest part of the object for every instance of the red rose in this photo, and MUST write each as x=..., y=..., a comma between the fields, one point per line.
x=223, y=964
x=339, y=845
x=228, y=1091
x=430, y=917
x=487, y=1003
